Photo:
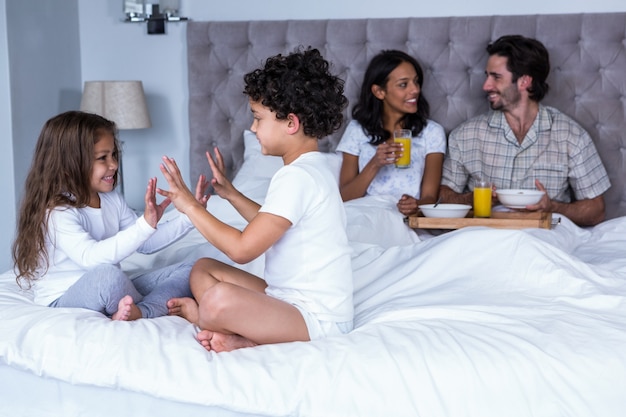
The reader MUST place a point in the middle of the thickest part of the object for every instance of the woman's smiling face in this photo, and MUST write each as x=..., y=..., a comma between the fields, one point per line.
x=401, y=92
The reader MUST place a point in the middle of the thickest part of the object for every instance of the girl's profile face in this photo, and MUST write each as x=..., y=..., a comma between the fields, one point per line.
x=103, y=168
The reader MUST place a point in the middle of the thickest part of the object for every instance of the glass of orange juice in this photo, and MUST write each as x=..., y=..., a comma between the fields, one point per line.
x=482, y=198
x=404, y=137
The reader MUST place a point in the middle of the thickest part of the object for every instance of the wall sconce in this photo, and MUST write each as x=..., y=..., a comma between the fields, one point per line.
x=155, y=14
x=122, y=102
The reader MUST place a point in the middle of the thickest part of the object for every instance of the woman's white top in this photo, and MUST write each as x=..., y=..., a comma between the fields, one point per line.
x=391, y=180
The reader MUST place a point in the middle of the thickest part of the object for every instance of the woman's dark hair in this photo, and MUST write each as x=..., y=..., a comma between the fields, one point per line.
x=300, y=83
x=525, y=56
x=368, y=111
x=59, y=175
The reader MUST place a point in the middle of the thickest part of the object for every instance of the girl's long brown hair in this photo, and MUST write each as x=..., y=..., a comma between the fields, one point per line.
x=59, y=176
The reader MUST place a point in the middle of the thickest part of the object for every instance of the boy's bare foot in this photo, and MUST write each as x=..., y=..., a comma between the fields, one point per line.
x=185, y=307
x=219, y=342
x=126, y=310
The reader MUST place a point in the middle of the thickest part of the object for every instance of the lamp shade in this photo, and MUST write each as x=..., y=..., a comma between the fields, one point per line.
x=122, y=102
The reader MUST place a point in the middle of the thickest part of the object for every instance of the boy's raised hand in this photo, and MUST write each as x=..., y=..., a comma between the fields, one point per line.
x=178, y=193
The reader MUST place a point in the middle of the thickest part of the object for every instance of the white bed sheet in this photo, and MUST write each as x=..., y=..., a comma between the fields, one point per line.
x=475, y=322
x=531, y=331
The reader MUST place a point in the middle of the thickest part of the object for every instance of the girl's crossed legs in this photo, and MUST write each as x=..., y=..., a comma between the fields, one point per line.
x=108, y=290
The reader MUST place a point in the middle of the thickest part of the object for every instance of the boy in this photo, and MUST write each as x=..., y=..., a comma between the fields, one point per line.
x=306, y=292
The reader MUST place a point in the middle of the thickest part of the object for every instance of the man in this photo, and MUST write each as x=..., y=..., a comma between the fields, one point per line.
x=524, y=144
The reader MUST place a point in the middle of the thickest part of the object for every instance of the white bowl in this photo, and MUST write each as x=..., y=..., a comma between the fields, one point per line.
x=445, y=210
x=518, y=198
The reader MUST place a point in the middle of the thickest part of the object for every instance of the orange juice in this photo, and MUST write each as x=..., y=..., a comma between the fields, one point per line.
x=482, y=201
x=404, y=137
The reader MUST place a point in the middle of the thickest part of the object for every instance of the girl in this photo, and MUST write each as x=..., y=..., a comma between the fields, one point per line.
x=73, y=230
x=391, y=99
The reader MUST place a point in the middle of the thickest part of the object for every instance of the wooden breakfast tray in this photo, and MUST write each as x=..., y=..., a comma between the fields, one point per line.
x=498, y=219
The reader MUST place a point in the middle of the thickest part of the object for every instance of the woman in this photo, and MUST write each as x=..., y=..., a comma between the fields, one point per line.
x=391, y=99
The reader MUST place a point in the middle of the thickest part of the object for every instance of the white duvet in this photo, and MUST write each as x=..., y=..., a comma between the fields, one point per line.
x=475, y=322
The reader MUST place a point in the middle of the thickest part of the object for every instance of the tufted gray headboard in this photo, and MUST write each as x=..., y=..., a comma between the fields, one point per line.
x=588, y=79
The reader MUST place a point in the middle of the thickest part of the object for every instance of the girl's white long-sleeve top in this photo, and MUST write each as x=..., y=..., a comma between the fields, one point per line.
x=79, y=239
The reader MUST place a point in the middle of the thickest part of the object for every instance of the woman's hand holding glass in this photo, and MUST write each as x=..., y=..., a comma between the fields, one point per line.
x=387, y=153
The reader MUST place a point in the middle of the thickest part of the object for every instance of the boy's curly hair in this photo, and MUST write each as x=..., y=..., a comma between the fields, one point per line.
x=300, y=83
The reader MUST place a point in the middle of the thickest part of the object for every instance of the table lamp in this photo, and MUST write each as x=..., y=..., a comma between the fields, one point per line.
x=122, y=102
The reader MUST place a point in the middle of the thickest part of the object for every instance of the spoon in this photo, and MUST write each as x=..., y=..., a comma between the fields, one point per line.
x=437, y=203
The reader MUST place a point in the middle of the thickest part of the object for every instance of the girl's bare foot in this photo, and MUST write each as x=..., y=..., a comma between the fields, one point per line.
x=220, y=342
x=126, y=310
x=185, y=307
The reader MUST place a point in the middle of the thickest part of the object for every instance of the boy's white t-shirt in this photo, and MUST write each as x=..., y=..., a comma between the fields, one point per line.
x=310, y=265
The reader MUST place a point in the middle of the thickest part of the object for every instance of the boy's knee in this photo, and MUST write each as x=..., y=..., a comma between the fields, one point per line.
x=215, y=301
x=201, y=268
x=204, y=264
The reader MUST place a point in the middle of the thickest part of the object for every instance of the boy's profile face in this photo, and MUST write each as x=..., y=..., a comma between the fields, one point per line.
x=269, y=130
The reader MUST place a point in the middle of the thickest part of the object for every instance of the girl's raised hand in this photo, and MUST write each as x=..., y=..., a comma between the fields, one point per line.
x=201, y=188
x=153, y=211
x=222, y=186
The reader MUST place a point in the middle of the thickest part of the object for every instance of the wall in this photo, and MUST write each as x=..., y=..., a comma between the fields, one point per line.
x=92, y=43
x=160, y=60
x=345, y=9
x=43, y=57
x=7, y=210
x=114, y=50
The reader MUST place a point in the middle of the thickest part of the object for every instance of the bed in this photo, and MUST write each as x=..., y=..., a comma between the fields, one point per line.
x=473, y=322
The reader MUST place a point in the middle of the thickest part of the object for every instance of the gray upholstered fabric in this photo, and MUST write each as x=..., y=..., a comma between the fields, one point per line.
x=588, y=79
